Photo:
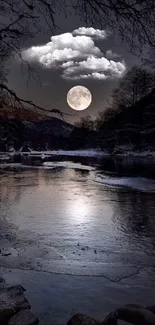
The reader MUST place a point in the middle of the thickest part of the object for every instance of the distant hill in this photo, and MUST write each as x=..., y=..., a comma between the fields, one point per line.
x=47, y=134
x=43, y=134
x=52, y=126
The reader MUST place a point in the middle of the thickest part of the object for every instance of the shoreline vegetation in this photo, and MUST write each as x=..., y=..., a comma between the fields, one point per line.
x=5, y=155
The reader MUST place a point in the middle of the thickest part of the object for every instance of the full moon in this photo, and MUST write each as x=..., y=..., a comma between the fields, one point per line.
x=79, y=98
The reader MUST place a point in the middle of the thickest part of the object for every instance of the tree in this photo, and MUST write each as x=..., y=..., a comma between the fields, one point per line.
x=148, y=60
x=104, y=116
x=20, y=20
x=86, y=123
x=135, y=84
x=133, y=20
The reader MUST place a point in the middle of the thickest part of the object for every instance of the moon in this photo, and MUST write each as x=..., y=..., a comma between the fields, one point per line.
x=79, y=98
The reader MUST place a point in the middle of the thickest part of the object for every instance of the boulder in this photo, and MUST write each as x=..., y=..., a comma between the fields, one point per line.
x=5, y=313
x=133, y=314
x=81, y=319
x=136, y=315
x=12, y=300
x=110, y=319
x=151, y=308
x=23, y=317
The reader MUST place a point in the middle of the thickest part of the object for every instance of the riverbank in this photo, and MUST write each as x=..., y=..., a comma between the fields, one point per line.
x=77, y=153
x=56, y=298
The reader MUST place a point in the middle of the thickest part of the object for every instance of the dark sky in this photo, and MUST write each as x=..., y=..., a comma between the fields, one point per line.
x=89, y=60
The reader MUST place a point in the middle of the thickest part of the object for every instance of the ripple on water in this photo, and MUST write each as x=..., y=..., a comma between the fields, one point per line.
x=136, y=183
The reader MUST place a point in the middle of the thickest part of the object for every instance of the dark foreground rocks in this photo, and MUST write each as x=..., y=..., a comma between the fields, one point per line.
x=24, y=317
x=133, y=314
x=15, y=308
x=80, y=319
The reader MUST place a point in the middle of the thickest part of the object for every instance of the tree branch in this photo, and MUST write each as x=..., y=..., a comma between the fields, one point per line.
x=30, y=103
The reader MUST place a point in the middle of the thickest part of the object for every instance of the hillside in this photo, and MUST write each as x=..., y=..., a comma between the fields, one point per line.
x=43, y=134
x=46, y=134
x=133, y=128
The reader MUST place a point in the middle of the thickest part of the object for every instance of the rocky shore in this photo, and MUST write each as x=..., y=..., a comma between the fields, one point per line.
x=15, y=309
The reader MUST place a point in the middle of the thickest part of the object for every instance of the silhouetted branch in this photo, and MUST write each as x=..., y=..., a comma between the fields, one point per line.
x=29, y=103
x=133, y=20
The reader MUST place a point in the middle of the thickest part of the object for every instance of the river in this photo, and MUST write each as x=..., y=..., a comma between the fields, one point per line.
x=77, y=217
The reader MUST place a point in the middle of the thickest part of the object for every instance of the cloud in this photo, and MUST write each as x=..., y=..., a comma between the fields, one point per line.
x=90, y=31
x=67, y=64
x=111, y=55
x=77, y=56
x=93, y=75
x=96, y=68
x=61, y=48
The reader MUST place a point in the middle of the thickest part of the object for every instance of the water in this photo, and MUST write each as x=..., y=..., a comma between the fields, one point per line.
x=76, y=217
x=78, y=233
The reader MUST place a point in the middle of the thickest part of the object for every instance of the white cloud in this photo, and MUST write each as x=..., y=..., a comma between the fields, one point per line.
x=93, y=75
x=96, y=67
x=90, y=31
x=111, y=55
x=67, y=64
x=61, y=48
x=99, y=76
x=77, y=56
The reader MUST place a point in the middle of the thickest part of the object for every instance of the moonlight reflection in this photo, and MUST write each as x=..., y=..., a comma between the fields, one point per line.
x=79, y=98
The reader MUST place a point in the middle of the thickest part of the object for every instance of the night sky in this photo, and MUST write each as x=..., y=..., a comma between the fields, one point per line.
x=85, y=56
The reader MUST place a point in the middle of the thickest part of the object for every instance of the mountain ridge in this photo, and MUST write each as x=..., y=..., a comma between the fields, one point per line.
x=36, y=133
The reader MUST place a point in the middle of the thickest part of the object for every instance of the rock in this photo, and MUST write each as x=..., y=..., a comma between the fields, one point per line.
x=110, y=319
x=5, y=313
x=24, y=317
x=134, y=306
x=151, y=308
x=81, y=319
x=12, y=300
x=134, y=314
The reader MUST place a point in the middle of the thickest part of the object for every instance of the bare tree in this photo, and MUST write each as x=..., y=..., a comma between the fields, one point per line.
x=134, y=20
x=136, y=84
x=103, y=116
x=148, y=60
x=20, y=20
x=99, y=120
x=86, y=123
